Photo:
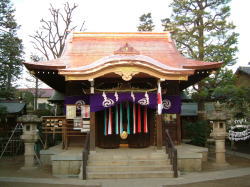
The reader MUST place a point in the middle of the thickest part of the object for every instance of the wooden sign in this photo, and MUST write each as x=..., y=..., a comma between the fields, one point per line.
x=85, y=111
x=78, y=124
x=70, y=111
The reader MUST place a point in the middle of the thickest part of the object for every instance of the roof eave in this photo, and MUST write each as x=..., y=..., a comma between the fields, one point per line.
x=34, y=66
x=206, y=66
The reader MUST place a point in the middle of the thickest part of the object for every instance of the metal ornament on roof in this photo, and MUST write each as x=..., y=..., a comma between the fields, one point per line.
x=126, y=50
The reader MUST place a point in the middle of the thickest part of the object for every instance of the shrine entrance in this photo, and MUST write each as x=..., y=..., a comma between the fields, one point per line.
x=125, y=124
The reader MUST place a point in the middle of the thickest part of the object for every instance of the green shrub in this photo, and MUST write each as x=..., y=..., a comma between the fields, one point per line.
x=197, y=132
x=43, y=112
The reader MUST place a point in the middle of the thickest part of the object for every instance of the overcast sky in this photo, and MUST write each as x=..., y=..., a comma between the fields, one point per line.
x=121, y=15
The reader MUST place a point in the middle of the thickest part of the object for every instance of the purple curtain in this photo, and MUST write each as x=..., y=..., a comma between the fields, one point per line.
x=105, y=100
x=76, y=99
x=100, y=101
x=171, y=104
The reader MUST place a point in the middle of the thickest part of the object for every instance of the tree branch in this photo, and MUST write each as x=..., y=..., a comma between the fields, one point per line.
x=50, y=42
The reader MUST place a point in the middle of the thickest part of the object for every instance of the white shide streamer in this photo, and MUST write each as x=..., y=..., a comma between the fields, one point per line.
x=107, y=102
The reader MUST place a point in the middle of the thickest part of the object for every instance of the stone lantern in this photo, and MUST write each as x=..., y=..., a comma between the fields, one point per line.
x=218, y=119
x=29, y=136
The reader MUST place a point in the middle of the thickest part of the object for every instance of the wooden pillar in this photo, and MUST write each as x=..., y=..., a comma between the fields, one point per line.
x=159, y=131
x=178, y=128
x=92, y=122
x=152, y=128
x=92, y=131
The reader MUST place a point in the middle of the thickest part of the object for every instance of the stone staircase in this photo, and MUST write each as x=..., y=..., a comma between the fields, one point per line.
x=127, y=163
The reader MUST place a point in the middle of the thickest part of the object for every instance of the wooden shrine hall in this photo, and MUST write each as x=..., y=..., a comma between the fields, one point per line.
x=122, y=87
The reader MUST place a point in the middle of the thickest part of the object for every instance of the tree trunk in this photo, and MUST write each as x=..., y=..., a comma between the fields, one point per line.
x=8, y=85
x=201, y=104
x=36, y=95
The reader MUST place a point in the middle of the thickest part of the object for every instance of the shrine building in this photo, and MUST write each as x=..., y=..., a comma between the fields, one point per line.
x=122, y=88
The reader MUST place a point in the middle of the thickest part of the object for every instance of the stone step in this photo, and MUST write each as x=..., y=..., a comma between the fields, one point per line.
x=128, y=168
x=128, y=157
x=130, y=175
x=128, y=162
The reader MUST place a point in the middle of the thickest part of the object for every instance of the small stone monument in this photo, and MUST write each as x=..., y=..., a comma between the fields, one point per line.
x=218, y=119
x=29, y=136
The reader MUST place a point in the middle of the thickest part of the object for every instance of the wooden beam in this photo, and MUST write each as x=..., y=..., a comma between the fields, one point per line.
x=159, y=131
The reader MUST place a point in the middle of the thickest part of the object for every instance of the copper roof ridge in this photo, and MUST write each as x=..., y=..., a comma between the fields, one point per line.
x=165, y=34
x=111, y=33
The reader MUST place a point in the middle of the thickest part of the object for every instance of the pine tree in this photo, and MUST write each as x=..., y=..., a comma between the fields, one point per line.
x=146, y=23
x=11, y=49
x=202, y=31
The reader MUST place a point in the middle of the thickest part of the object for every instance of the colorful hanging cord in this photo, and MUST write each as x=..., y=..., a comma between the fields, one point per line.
x=116, y=120
x=145, y=120
x=121, y=127
x=128, y=118
x=105, y=122
x=110, y=122
x=134, y=118
x=139, y=119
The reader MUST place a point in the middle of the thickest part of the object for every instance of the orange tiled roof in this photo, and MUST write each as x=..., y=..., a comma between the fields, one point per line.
x=86, y=51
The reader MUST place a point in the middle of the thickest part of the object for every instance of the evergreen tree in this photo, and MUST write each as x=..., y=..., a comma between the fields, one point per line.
x=11, y=49
x=202, y=31
x=146, y=23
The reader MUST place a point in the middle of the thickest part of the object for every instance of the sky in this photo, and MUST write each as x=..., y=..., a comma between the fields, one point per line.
x=120, y=16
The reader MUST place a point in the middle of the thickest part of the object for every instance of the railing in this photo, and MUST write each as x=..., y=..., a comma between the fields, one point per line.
x=172, y=152
x=85, y=155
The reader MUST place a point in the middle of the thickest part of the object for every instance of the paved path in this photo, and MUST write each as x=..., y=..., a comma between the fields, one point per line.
x=183, y=179
x=234, y=153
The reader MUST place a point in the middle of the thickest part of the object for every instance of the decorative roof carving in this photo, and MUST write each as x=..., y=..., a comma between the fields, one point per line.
x=126, y=50
x=127, y=73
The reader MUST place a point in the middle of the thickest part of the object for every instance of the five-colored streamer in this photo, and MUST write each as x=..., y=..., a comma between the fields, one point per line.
x=136, y=122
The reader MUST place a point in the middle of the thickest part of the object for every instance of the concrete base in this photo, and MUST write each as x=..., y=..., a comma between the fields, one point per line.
x=190, y=157
x=65, y=163
x=220, y=165
x=45, y=155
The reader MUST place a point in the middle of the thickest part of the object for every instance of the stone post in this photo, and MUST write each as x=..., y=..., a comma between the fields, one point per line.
x=29, y=137
x=218, y=119
x=219, y=134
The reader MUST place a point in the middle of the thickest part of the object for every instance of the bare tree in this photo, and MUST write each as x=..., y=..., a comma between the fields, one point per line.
x=50, y=39
x=34, y=82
